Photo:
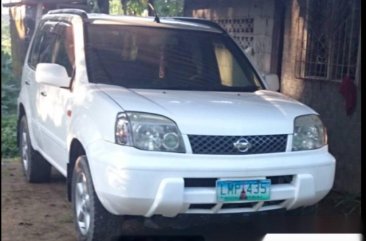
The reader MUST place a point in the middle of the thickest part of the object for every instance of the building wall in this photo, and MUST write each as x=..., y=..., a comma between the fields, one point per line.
x=249, y=22
x=344, y=131
x=276, y=53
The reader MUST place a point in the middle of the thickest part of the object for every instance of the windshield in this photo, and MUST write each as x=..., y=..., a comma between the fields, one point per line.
x=162, y=58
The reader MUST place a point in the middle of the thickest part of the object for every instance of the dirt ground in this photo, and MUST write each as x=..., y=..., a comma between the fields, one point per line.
x=33, y=211
x=40, y=212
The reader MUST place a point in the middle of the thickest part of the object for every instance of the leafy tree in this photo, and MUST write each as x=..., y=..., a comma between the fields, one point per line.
x=138, y=7
x=169, y=7
x=115, y=7
x=5, y=38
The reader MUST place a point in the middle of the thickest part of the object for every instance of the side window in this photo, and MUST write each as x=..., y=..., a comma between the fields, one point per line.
x=54, y=43
x=63, y=53
x=46, y=47
x=42, y=45
x=34, y=52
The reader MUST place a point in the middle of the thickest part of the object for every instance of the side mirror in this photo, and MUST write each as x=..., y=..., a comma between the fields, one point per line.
x=273, y=82
x=52, y=74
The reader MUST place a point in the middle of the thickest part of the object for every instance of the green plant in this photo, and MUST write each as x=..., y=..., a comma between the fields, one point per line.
x=138, y=7
x=9, y=86
x=5, y=38
x=115, y=7
x=9, y=136
x=169, y=7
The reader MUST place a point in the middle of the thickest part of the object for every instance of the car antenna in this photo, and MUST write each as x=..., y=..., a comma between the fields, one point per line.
x=156, y=19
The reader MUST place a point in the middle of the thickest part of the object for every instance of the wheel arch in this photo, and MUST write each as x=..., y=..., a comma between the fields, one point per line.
x=76, y=150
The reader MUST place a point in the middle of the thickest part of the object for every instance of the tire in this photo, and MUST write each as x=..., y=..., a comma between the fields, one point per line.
x=36, y=168
x=92, y=221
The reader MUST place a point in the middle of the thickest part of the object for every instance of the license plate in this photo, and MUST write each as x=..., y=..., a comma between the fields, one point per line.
x=241, y=190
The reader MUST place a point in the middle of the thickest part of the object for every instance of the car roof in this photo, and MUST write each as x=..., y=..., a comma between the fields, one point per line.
x=165, y=22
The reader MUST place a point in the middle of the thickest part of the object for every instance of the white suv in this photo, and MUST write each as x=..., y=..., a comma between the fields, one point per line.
x=147, y=117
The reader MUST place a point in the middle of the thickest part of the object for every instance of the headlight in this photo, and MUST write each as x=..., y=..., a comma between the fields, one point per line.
x=148, y=132
x=309, y=133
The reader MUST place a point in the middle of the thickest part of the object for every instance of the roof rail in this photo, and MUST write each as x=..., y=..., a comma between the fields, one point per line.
x=74, y=11
x=201, y=21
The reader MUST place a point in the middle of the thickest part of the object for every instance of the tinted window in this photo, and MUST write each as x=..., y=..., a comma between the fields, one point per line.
x=46, y=47
x=42, y=41
x=157, y=58
x=63, y=53
x=54, y=44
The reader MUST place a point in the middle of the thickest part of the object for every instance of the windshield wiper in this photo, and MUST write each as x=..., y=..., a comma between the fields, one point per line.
x=250, y=88
x=191, y=88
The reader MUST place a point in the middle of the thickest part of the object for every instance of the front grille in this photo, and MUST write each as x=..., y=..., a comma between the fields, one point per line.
x=280, y=179
x=200, y=182
x=211, y=182
x=224, y=145
x=202, y=206
x=238, y=205
x=273, y=203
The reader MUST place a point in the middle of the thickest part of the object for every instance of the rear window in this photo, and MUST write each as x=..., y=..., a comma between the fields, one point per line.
x=162, y=58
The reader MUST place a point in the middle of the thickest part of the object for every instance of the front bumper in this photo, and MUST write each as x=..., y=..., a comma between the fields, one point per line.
x=134, y=182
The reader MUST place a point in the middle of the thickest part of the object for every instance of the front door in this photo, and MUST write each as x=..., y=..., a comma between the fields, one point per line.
x=55, y=100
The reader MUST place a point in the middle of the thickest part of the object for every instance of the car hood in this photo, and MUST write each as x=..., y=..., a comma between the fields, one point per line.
x=214, y=113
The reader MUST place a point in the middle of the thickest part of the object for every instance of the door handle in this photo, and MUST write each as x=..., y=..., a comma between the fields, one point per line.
x=43, y=93
x=27, y=82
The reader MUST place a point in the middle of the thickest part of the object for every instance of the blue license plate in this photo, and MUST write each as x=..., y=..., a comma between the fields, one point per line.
x=241, y=190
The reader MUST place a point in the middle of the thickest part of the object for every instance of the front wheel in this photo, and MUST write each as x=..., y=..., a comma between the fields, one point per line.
x=93, y=222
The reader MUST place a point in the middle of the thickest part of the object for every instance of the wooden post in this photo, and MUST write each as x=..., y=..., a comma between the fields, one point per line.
x=39, y=13
x=18, y=38
x=124, y=6
x=149, y=10
x=22, y=26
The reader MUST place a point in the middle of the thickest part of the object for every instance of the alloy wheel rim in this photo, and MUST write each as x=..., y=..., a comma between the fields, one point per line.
x=82, y=201
x=25, y=150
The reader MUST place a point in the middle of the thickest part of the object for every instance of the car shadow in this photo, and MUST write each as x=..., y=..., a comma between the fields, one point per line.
x=56, y=176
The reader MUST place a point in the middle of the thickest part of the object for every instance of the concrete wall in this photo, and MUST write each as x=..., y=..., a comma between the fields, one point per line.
x=344, y=132
x=251, y=25
x=276, y=53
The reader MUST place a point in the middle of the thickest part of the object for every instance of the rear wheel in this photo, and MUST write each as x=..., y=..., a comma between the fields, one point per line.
x=35, y=167
x=93, y=222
